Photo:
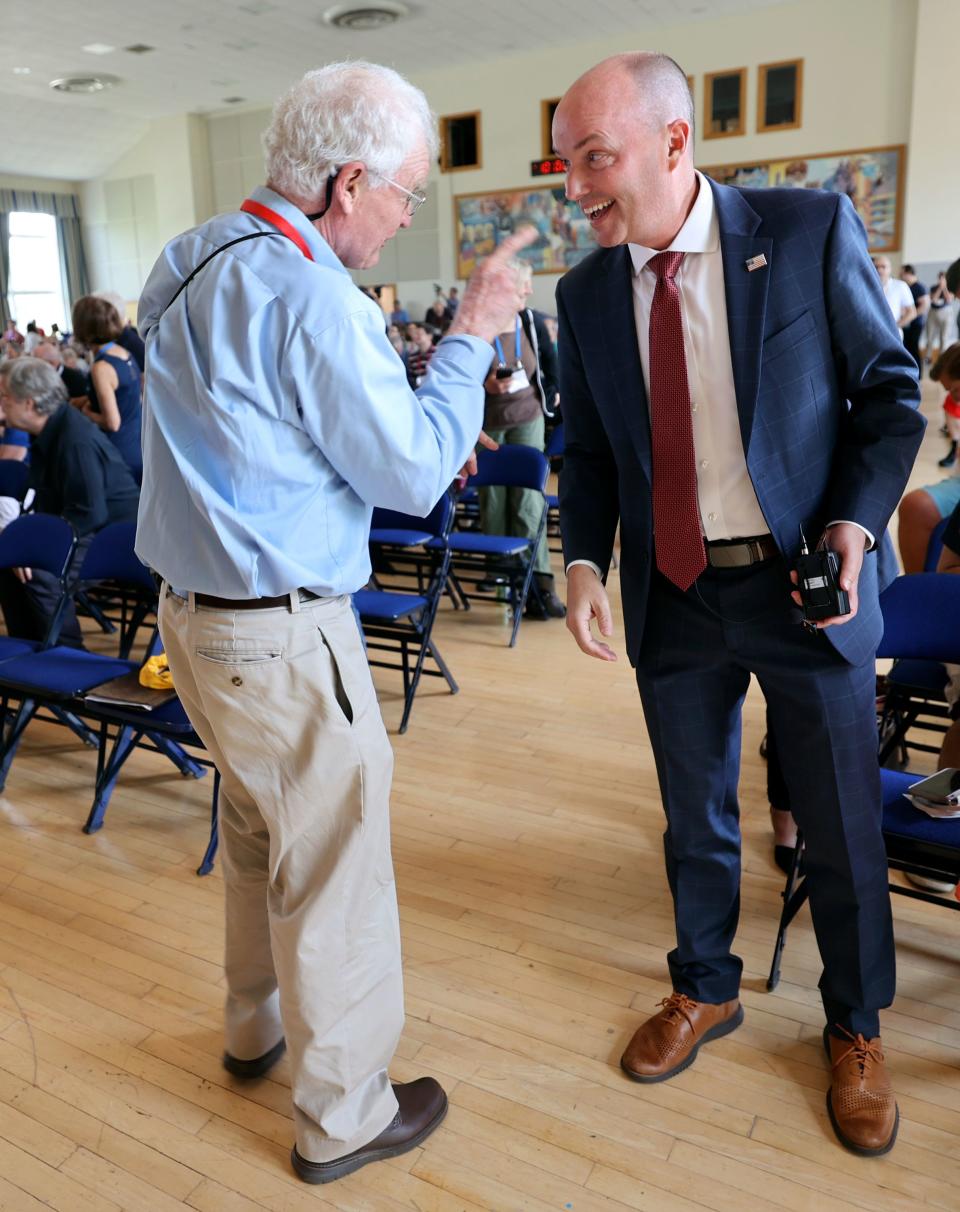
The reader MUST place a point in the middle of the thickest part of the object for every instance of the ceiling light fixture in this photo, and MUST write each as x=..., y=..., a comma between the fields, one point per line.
x=98, y=48
x=22, y=71
x=84, y=84
x=365, y=16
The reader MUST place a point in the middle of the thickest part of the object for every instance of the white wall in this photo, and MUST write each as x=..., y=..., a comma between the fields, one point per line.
x=932, y=234
x=152, y=193
x=858, y=92
x=858, y=78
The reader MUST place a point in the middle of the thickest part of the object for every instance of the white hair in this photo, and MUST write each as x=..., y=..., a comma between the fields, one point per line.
x=342, y=112
x=34, y=379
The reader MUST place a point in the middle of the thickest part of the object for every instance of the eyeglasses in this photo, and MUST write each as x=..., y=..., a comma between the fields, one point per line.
x=414, y=201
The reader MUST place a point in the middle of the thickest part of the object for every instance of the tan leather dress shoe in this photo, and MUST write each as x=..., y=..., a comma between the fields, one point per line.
x=860, y=1101
x=667, y=1043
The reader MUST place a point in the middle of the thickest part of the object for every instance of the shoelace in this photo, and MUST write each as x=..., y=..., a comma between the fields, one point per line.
x=864, y=1053
x=676, y=1006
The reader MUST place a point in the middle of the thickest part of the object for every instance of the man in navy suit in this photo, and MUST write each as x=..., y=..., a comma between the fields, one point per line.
x=731, y=372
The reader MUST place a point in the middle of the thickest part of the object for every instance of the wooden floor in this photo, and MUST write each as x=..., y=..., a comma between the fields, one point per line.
x=535, y=921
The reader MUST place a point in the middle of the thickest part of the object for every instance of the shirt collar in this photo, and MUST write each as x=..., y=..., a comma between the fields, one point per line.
x=323, y=254
x=699, y=234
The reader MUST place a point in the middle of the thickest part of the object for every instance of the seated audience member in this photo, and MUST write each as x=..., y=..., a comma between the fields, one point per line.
x=399, y=315
x=514, y=413
x=129, y=338
x=12, y=333
x=419, y=352
x=75, y=472
x=453, y=302
x=115, y=391
x=73, y=359
x=437, y=316
x=946, y=371
x=14, y=443
x=922, y=510
x=75, y=380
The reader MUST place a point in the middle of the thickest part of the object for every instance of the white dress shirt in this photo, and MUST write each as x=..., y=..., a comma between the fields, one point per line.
x=729, y=508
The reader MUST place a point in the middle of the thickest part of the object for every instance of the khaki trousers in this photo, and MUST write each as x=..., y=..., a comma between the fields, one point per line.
x=284, y=702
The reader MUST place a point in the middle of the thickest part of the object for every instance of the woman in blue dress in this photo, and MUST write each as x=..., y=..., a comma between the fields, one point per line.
x=115, y=386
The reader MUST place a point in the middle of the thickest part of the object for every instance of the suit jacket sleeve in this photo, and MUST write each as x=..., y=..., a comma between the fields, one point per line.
x=882, y=429
x=589, y=502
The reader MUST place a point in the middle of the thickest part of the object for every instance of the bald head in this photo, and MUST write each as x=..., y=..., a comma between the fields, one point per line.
x=626, y=129
x=656, y=86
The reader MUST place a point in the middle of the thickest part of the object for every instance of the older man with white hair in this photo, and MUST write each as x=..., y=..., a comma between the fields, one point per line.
x=276, y=415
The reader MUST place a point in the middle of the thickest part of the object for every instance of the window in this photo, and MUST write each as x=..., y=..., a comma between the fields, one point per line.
x=547, y=110
x=780, y=95
x=460, y=142
x=35, y=289
x=724, y=100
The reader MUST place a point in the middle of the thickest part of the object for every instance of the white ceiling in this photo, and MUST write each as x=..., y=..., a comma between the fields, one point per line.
x=206, y=52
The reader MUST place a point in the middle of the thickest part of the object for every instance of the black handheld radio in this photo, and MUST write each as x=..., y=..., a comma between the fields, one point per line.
x=818, y=580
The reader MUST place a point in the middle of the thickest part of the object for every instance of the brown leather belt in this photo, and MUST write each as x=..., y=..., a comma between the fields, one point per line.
x=207, y=599
x=740, y=553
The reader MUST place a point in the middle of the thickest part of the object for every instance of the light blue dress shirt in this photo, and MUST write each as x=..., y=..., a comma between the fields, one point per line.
x=276, y=415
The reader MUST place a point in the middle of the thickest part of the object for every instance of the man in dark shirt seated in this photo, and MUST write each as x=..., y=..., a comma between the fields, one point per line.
x=75, y=471
x=76, y=381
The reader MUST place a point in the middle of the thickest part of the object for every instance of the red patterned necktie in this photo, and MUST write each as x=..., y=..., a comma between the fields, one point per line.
x=678, y=535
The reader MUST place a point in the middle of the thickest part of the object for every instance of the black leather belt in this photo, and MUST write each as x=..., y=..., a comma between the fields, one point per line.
x=740, y=553
x=207, y=599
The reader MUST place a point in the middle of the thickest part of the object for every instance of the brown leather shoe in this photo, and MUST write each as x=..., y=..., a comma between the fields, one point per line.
x=423, y=1105
x=860, y=1101
x=667, y=1043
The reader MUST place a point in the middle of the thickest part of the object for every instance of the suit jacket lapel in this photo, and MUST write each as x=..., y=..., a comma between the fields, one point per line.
x=746, y=294
x=614, y=313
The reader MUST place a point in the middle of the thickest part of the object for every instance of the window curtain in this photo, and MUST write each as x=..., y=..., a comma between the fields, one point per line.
x=65, y=208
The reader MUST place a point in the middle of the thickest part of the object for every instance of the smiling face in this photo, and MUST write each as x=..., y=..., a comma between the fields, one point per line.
x=631, y=172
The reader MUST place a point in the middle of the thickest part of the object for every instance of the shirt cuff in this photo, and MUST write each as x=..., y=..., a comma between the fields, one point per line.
x=589, y=564
x=871, y=541
x=470, y=353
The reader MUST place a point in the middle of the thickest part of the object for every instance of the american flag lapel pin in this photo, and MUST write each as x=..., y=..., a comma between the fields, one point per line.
x=757, y=262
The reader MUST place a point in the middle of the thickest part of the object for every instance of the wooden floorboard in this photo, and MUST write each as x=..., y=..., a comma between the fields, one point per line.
x=535, y=915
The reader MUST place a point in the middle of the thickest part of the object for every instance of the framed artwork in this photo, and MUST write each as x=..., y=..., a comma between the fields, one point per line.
x=780, y=95
x=482, y=220
x=547, y=110
x=460, y=142
x=724, y=103
x=872, y=179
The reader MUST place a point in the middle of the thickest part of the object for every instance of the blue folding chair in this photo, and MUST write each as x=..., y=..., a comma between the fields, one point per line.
x=554, y=452
x=918, y=613
x=56, y=676
x=411, y=557
x=124, y=729
x=935, y=546
x=921, y=619
x=506, y=559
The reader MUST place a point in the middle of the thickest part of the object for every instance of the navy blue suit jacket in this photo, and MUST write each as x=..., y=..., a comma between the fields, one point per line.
x=827, y=396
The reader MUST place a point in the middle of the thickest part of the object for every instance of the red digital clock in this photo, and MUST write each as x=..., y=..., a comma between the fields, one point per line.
x=548, y=168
